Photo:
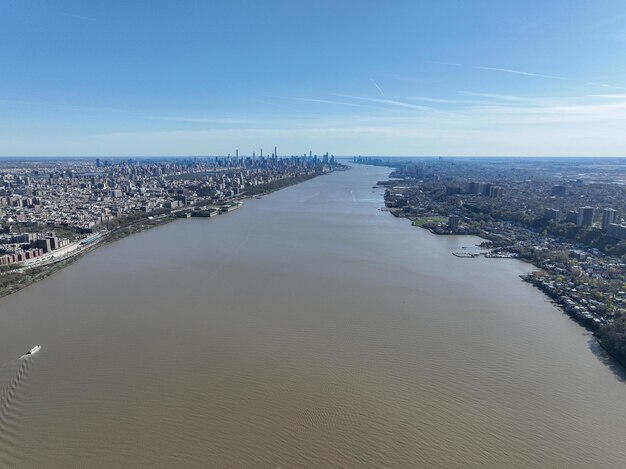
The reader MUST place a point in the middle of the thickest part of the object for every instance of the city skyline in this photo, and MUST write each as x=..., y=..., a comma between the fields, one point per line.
x=407, y=78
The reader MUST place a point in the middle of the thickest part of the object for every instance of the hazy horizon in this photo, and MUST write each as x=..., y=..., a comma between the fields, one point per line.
x=242, y=155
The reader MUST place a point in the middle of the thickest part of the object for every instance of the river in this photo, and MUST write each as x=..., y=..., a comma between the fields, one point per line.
x=308, y=329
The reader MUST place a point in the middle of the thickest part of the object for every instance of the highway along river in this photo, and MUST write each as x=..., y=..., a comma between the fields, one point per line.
x=307, y=329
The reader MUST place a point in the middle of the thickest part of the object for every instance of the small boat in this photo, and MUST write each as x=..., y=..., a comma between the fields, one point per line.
x=34, y=350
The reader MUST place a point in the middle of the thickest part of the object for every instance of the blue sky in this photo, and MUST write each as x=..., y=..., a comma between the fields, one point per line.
x=414, y=77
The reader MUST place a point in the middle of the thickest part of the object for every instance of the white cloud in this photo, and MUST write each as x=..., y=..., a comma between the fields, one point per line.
x=200, y=120
x=327, y=101
x=517, y=72
x=484, y=124
x=390, y=102
x=378, y=88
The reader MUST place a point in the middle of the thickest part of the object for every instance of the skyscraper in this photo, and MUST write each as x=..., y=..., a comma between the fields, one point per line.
x=608, y=216
x=585, y=216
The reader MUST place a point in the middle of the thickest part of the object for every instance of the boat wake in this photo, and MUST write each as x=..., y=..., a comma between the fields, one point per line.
x=13, y=376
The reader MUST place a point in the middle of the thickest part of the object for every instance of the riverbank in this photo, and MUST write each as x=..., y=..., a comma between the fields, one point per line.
x=565, y=296
x=368, y=330
x=602, y=334
x=584, y=281
x=18, y=278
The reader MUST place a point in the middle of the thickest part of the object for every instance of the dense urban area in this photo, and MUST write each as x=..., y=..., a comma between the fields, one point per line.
x=564, y=215
x=52, y=210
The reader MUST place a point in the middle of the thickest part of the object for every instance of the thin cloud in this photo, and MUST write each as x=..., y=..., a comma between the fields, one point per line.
x=605, y=85
x=499, y=97
x=556, y=125
x=517, y=72
x=512, y=99
x=390, y=102
x=328, y=101
x=606, y=96
x=68, y=107
x=378, y=87
x=442, y=100
x=200, y=120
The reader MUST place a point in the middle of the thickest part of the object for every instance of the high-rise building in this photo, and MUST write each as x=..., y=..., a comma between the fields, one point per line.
x=43, y=244
x=608, y=216
x=551, y=213
x=474, y=188
x=615, y=230
x=54, y=243
x=558, y=191
x=571, y=216
x=495, y=191
x=585, y=216
x=453, y=222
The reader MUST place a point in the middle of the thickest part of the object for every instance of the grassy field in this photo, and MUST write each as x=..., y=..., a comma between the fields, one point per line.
x=429, y=220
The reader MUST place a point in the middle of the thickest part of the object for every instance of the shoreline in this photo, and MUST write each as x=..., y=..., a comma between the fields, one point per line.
x=583, y=322
x=580, y=267
x=32, y=275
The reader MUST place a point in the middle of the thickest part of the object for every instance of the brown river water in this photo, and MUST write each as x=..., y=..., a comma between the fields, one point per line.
x=308, y=329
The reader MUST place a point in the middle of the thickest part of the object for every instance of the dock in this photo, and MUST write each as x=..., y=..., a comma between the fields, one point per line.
x=468, y=255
